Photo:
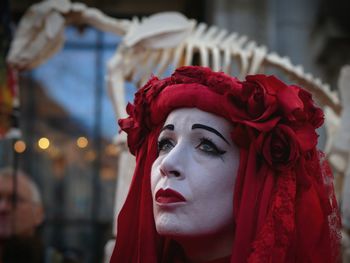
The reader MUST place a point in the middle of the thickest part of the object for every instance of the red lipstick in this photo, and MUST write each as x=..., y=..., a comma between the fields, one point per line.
x=167, y=196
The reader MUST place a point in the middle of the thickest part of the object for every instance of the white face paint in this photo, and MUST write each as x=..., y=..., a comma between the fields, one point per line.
x=193, y=178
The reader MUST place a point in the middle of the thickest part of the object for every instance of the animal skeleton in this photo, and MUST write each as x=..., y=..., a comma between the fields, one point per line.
x=150, y=45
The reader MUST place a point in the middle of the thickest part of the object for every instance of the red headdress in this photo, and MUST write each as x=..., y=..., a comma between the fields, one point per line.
x=284, y=205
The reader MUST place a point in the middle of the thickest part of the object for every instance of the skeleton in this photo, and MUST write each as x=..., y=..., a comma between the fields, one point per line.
x=341, y=142
x=148, y=46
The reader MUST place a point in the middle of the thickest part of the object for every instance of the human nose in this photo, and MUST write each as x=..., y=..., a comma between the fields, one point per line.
x=173, y=163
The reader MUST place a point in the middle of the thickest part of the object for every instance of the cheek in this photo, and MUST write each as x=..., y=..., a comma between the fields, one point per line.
x=216, y=177
x=212, y=209
x=23, y=218
x=213, y=185
x=155, y=175
x=228, y=172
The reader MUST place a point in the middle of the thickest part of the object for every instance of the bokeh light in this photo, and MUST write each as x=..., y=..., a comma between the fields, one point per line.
x=82, y=142
x=20, y=146
x=44, y=143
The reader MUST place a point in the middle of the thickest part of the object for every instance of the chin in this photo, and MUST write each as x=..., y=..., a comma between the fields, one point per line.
x=178, y=230
x=167, y=226
x=169, y=229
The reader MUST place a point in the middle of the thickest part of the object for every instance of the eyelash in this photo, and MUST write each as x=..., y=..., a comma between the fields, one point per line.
x=214, y=150
x=165, y=144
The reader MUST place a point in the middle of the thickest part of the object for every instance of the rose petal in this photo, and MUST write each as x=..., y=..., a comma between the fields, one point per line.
x=130, y=108
x=288, y=99
x=256, y=104
x=279, y=147
x=317, y=118
x=306, y=136
x=259, y=96
x=269, y=83
x=126, y=124
x=267, y=149
x=268, y=112
x=263, y=126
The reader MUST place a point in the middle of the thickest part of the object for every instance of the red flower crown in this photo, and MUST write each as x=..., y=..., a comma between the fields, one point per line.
x=279, y=119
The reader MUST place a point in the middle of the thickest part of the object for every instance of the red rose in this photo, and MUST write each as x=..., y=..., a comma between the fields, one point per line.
x=259, y=96
x=298, y=107
x=256, y=104
x=290, y=103
x=132, y=127
x=280, y=147
x=283, y=146
x=313, y=114
x=306, y=136
x=138, y=125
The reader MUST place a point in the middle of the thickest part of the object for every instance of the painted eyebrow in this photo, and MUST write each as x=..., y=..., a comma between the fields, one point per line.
x=168, y=127
x=210, y=129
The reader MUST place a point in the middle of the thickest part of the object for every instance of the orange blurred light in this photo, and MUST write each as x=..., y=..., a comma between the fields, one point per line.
x=112, y=150
x=20, y=146
x=82, y=142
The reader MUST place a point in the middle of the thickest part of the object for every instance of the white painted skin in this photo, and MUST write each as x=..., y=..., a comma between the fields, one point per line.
x=202, y=167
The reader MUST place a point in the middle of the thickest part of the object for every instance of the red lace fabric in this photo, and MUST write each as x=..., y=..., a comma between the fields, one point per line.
x=284, y=205
x=303, y=213
x=330, y=201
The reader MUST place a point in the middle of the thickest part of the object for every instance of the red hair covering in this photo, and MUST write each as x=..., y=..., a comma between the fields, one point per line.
x=284, y=204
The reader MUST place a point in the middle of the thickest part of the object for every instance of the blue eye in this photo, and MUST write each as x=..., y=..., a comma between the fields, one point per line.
x=165, y=145
x=207, y=146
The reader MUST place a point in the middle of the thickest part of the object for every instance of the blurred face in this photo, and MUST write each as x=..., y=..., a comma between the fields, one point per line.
x=22, y=219
x=192, y=179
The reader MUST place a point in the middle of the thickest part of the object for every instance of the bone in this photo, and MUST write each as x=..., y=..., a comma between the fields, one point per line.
x=257, y=59
x=163, y=62
x=178, y=54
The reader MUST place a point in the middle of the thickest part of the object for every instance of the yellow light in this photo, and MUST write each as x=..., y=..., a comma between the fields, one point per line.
x=44, y=143
x=82, y=142
x=20, y=146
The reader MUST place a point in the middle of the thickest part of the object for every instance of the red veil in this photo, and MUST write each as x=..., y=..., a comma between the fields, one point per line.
x=284, y=205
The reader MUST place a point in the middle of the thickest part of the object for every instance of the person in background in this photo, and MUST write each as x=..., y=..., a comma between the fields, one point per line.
x=21, y=213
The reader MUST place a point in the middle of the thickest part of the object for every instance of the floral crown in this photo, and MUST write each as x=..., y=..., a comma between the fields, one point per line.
x=279, y=120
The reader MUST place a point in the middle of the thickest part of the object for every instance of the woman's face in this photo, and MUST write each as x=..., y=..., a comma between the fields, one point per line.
x=193, y=178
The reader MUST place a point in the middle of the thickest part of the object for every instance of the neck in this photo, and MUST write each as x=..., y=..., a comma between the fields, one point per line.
x=204, y=249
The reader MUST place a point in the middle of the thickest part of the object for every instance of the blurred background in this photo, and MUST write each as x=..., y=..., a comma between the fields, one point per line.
x=67, y=121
